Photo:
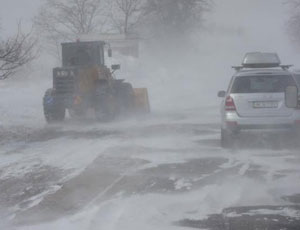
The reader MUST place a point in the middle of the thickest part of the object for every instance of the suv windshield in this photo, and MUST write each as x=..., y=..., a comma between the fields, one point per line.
x=261, y=84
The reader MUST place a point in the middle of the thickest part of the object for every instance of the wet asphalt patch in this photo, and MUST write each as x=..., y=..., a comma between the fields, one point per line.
x=95, y=184
x=249, y=218
x=171, y=178
x=17, y=192
x=29, y=135
x=14, y=134
x=292, y=198
x=209, y=142
x=192, y=168
x=188, y=129
x=107, y=177
x=274, y=140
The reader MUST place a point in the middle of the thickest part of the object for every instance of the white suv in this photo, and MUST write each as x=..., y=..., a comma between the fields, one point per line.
x=262, y=94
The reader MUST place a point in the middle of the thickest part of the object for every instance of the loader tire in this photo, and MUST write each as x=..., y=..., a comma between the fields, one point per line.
x=102, y=113
x=125, y=97
x=53, y=111
x=103, y=107
x=227, y=139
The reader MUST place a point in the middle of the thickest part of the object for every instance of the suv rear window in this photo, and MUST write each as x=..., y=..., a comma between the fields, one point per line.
x=262, y=84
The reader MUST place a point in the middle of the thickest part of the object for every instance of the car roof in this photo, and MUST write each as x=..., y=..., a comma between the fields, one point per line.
x=262, y=71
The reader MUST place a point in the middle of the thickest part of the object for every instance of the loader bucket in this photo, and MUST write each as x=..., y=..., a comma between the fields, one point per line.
x=142, y=104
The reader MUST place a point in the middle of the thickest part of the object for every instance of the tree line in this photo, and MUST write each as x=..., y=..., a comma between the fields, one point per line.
x=65, y=20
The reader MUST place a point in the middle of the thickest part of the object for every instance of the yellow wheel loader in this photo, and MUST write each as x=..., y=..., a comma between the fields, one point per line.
x=84, y=83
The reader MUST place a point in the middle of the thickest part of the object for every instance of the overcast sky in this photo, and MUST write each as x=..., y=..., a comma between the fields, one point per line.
x=231, y=12
x=11, y=11
x=262, y=21
x=260, y=15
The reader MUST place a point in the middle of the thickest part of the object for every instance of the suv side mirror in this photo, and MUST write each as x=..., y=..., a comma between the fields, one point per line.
x=291, y=97
x=115, y=67
x=221, y=94
x=109, y=52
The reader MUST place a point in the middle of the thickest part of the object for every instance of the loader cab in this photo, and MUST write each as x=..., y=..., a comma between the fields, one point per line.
x=83, y=54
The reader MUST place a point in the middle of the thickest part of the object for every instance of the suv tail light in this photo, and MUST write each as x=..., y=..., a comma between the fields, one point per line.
x=229, y=104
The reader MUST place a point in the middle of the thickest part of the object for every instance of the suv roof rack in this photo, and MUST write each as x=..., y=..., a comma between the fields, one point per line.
x=239, y=68
x=261, y=60
x=286, y=67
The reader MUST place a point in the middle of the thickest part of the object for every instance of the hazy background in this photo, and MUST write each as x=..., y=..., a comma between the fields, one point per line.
x=201, y=68
x=179, y=142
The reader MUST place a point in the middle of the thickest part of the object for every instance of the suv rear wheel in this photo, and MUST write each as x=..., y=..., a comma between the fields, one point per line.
x=227, y=138
x=125, y=98
x=104, y=105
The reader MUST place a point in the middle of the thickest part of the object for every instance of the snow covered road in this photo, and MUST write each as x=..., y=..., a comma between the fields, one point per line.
x=141, y=173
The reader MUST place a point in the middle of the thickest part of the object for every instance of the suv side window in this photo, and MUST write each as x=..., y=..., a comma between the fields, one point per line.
x=230, y=84
x=297, y=78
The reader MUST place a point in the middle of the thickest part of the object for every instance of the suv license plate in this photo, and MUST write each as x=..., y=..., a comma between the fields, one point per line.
x=265, y=104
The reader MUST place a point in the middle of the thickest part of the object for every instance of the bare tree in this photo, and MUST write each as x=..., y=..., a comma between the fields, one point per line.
x=126, y=15
x=15, y=52
x=175, y=17
x=62, y=20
